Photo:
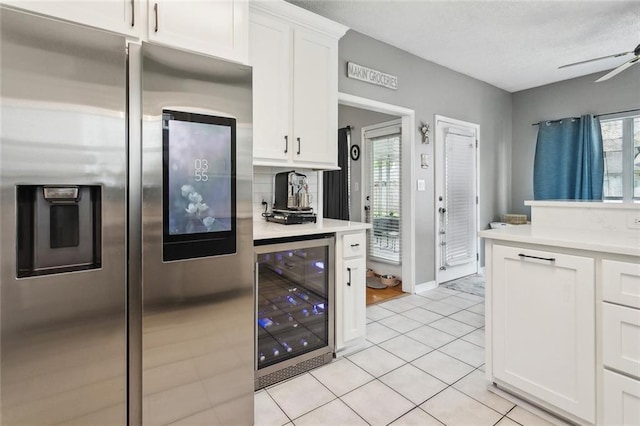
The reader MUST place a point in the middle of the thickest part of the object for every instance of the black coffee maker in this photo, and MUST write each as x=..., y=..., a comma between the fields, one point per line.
x=291, y=192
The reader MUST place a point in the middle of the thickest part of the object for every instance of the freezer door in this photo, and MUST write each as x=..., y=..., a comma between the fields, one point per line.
x=197, y=350
x=63, y=340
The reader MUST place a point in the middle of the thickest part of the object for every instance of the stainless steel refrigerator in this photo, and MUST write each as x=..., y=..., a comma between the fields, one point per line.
x=126, y=283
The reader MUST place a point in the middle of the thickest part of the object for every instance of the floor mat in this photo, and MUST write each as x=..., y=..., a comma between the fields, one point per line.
x=473, y=284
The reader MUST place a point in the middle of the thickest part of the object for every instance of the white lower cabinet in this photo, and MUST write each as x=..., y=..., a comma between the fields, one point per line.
x=353, y=299
x=543, y=312
x=621, y=400
x=351, y=314
x=621, y=338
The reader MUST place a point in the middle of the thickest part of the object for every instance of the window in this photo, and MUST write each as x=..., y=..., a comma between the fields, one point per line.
x=385, y=188
x=621, y=143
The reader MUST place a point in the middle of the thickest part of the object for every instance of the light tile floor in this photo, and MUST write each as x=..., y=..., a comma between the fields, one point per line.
x=424, y=366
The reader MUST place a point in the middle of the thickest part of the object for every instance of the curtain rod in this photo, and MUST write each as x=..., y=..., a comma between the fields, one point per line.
x=597, y=115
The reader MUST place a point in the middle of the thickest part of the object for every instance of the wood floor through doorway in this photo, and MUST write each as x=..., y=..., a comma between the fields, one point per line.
x=375, y=295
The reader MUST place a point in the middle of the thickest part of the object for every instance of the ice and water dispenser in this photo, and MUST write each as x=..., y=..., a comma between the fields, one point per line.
x=59, y=229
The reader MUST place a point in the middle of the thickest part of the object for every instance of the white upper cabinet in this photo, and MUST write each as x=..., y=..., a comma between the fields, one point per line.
x=315, y=98
x=294, y=55
x=269, y=54
x=217, y=28
x=119, y=16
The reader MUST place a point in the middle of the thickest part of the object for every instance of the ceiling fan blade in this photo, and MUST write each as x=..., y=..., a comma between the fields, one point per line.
x=619, y=69
x=617, y=55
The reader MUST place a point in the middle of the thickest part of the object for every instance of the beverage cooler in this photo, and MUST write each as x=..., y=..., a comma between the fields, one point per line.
x=294, y=307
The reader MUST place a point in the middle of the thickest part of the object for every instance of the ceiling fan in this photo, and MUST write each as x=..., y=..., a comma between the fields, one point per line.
x=619, y=69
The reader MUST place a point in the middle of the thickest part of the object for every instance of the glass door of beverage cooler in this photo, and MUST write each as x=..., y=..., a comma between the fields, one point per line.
x=294, y=308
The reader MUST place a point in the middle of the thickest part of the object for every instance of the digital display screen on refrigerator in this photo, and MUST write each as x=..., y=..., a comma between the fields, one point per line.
x=199, y=178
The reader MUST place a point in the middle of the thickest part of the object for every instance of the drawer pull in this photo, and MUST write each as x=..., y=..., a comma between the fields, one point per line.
x=355, y=245
x=349, y=281
x=548, y=259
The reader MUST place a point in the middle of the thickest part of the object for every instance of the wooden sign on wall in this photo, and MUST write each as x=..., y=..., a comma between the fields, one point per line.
x=372, y=76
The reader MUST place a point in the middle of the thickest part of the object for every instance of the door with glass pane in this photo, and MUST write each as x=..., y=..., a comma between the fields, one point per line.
x=621, y=145
x=383, y=167
x=456, y=215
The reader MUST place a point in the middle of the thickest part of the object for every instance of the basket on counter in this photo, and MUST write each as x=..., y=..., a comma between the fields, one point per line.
x=514, y=219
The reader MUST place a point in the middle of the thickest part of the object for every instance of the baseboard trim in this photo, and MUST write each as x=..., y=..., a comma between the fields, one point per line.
x=430, y=285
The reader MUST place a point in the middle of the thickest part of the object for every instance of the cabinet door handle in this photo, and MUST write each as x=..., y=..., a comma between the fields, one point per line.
x=298, y=145
x=355, y=245
x=286, y=144
x=349, y=281
x=548, y=259
x=133, y=13
x=155, y=11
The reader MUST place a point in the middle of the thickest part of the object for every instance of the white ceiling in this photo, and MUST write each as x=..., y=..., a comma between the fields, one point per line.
x=514, y=45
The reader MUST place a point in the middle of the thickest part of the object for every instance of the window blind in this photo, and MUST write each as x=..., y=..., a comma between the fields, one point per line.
x=460, y=200
x=385, y=189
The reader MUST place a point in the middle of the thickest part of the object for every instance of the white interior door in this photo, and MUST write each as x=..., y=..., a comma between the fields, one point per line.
x=457, y=199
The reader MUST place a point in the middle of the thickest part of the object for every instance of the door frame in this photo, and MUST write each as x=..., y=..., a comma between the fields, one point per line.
x=438, y=162
x=408, y=151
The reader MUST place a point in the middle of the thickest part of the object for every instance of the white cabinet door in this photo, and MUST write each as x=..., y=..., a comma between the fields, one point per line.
x=315, y=98
x=120, y=16
x=544, y=326
x=270, y=57
x=621, y=338
x=218, y=28
x=353, y=306
x=621, y=283
x=621, y=400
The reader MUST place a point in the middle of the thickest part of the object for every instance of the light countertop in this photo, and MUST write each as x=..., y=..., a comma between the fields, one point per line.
x=627, y=243
x=263, y=230
x=585, y=204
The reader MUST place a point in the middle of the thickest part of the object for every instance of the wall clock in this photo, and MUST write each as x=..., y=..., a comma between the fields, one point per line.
x=355, y=152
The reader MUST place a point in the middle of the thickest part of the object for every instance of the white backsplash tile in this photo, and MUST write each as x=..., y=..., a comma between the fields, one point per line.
x=263, y=178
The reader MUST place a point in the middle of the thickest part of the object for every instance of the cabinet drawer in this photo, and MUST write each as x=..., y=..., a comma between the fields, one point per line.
x=621, y=283
x=621, y=338
x=353, y=245
x=621, y=400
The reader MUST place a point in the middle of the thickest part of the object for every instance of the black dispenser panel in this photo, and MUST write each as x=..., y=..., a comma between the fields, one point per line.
x=58, y=229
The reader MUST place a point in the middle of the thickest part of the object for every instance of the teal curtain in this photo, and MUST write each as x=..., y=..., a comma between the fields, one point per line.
x=569, y=160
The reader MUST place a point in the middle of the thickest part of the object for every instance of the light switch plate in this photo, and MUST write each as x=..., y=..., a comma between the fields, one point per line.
x=421, y=185
x=424, y=161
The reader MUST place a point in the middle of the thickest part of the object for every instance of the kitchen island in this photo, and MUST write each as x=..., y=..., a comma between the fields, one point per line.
x=563, y=310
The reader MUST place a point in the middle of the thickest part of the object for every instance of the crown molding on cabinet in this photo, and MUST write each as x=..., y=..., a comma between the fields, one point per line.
x=301, y=17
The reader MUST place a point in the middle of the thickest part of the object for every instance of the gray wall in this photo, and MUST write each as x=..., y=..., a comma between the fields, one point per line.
x=358, y=118
x=568, y=98
x=431, y=89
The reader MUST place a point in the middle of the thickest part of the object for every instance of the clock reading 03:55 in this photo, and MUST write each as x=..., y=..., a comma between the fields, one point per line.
x=201, y=167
